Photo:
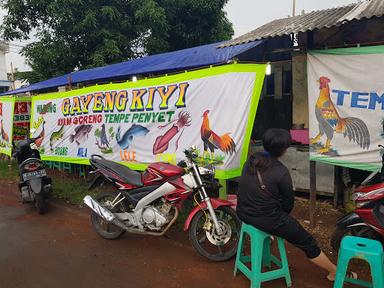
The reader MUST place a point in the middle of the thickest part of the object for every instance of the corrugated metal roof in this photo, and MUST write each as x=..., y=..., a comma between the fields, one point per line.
x=366, y=9
x=313, y=20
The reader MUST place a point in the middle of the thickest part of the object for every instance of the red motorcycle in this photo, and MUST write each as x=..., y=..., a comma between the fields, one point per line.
x=368, y=218
x=148, y=203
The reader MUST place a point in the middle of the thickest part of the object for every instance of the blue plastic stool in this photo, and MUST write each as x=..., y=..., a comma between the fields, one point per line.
x=261, y=257
x=364, y=249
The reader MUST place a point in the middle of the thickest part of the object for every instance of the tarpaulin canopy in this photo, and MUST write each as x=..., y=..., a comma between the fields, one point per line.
x=165, y=62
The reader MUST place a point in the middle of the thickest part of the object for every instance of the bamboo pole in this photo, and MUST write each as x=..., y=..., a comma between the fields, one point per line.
x=312, y=195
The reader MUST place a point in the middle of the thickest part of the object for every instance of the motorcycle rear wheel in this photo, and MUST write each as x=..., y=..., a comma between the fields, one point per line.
x=40, y=203
x=360, y=231
x=214, y=251
x=102, y=227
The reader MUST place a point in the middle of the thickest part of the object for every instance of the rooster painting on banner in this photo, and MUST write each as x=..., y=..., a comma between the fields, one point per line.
x=346, y=107
x=331, y=122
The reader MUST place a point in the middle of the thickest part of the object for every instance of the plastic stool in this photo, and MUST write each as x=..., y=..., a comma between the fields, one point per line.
x=66, y=167
x=364, y=249
x=80, y=169
x=261, y=257
x=49, y=164
x=56, y=165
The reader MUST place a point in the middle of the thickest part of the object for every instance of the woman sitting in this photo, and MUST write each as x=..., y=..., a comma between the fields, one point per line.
x=266, y=199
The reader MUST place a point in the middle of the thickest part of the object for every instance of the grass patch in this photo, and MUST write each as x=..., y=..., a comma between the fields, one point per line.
x=70, y=188
x=67, y=187
x=8, y=170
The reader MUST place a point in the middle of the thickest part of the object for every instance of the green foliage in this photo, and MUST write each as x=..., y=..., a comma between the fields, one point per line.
x=111, y=133
x=107, y=150
x=97, y=133
x=78, y=34
x=207, y=158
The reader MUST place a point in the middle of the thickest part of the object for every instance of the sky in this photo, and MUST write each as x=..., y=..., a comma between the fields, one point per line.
x=245, y=16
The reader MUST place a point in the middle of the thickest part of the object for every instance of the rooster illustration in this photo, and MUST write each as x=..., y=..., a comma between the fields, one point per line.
x=41, y=136
x=213, y=141
x=330, y=121
x=4, y=135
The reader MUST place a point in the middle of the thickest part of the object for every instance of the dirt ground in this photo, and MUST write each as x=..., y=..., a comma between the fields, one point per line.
x=60, y=249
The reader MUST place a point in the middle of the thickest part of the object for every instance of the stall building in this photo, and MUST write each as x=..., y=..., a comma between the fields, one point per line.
x=284, y=44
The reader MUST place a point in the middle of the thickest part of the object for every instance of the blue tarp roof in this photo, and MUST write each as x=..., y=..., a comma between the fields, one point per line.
x=165, y=62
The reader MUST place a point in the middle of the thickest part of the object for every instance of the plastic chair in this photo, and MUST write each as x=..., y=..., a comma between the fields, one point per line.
x=364, y=249
x=261, y=257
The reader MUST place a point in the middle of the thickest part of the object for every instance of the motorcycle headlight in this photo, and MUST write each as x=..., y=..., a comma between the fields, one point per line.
x=208, y=170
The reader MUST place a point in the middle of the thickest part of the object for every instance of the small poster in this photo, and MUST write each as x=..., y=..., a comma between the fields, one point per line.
x=6, y=124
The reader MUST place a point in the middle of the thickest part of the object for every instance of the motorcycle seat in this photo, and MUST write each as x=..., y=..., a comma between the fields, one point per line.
x=126, y=174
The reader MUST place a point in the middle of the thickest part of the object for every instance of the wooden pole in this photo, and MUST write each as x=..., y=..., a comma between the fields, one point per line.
x=312, y=195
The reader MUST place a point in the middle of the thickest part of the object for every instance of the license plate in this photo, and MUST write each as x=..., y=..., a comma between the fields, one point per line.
x=34, y=174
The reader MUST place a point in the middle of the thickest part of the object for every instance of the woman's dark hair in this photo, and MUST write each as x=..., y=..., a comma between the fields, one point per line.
x=276, y=142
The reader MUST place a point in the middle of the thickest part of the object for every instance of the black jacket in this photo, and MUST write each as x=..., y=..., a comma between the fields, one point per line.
x=254, y=202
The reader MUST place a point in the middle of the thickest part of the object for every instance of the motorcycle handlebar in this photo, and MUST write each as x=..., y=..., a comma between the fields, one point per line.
x=190, y=154
x=93, y=156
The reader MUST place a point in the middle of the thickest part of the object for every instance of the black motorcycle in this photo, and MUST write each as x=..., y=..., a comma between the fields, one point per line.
x=35, y=186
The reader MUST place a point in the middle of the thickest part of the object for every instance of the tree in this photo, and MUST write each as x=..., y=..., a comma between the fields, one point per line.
x=80, y=34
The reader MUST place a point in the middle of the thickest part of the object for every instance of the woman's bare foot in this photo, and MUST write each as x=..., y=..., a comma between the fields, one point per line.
x=331, y=277
x=352, y=275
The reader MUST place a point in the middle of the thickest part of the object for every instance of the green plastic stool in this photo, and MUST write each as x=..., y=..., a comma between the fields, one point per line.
x=49, y=164
x=56, y=165
x=68, y=167
x=261, y=257
x=364, y=249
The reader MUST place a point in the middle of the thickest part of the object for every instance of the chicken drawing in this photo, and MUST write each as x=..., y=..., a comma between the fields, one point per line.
x=41, y=136
x=4, y=135
x=330, y=121
x=213, y=141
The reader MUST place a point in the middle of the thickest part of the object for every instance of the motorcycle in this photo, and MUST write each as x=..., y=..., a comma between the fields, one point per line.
x=34, y=186
x=148, y=203
x=368, y=218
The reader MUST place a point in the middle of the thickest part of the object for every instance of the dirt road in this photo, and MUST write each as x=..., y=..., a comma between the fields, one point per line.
x=60, y=249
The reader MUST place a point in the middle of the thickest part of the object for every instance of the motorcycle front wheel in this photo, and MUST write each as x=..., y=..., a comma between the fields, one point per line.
x=359, y=231
x=205, y=239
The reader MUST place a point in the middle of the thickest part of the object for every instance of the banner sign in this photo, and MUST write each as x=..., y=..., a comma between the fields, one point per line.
x=21, y=118
x=346, y=106
x=6, y=124
x=137, y=123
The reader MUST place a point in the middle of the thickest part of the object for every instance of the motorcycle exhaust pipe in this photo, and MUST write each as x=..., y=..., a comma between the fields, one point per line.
x=103, y=212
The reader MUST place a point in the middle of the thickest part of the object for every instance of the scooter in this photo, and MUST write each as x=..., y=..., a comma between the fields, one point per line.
x=148, y=203
x=368, y=218
x=35, y=186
